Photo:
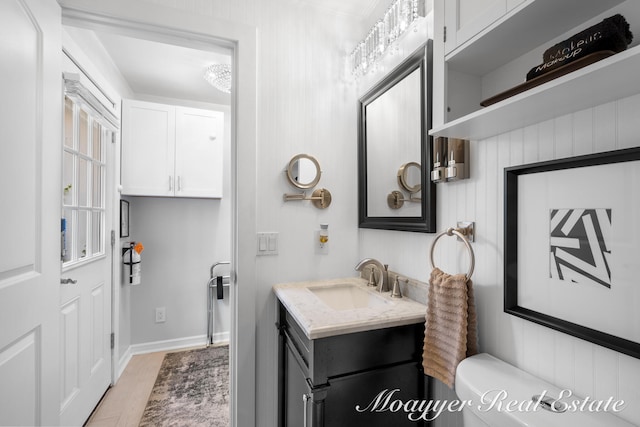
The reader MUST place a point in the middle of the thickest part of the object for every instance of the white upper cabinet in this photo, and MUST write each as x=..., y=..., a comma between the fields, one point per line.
x=198, y=156
x=171, y=151
x=486, y=48
x=466, y=18
x=148, y=148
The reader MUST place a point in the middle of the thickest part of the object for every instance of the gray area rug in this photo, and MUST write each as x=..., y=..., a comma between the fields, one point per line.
x=192, y=389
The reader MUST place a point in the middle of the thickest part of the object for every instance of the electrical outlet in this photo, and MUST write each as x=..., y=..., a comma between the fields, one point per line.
x=161, y=315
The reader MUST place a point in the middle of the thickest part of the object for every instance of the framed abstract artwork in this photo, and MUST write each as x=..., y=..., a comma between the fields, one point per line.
x=572, y=246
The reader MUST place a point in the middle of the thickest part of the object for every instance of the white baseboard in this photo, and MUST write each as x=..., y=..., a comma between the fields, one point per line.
x=221, y=338
x=150, y=347
x=123, y=362
x=195, y=341
x=165, y=345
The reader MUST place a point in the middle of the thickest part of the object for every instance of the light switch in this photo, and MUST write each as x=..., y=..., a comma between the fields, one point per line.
x=273, y=243
x=267, y=243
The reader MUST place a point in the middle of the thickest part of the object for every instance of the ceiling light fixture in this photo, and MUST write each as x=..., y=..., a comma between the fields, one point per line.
x=396, y=21
x=219, y=76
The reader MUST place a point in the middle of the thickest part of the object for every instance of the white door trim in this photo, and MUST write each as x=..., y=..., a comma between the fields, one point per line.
x=132, y=17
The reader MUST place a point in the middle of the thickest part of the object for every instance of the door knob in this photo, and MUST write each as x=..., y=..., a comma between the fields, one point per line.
x=68, y=281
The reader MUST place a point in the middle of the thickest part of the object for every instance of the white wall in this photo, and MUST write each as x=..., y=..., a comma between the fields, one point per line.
x=585, y=368
x=182, y=239
x=305, y=106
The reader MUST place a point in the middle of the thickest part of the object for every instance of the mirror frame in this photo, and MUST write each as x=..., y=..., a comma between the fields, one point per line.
x=426, y=223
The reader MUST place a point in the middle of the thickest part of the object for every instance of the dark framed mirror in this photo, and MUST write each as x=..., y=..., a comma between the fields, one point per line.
x=394, y=118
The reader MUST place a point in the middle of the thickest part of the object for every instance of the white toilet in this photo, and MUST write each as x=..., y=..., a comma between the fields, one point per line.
x=497, y=394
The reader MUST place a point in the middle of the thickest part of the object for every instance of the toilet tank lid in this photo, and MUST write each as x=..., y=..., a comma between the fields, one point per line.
x=501, y=395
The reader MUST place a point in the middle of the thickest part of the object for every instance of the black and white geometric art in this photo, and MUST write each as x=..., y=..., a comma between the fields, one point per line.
x=580, y=242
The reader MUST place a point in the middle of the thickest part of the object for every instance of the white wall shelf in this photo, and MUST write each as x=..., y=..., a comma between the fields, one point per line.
x=604, y=81
x=527, y=26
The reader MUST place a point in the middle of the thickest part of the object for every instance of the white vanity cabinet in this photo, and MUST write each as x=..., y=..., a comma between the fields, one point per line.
x=171, y=151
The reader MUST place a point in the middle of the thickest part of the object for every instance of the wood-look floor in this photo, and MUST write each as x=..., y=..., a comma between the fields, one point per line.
x=124, y=403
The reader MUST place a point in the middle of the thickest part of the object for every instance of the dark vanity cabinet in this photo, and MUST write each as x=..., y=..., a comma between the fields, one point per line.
x=322, y=381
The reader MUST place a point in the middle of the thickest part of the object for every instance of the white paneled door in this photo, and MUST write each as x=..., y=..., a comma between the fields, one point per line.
x=86, y=251
x=85, y=364
x=30, y=175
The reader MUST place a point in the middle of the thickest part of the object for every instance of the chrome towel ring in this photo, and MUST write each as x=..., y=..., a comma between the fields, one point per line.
x=461, y=233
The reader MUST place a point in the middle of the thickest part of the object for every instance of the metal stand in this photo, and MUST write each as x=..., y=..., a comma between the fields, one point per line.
x=215, y=282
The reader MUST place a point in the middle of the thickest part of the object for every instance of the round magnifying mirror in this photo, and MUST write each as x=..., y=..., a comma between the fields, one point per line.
x=303, y=171
x=410, y=176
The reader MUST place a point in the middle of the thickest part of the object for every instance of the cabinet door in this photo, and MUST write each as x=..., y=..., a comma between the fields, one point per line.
x=466, y=18
x=148, y=144
x=199, y=142
x=364, y=398
x=295, y=390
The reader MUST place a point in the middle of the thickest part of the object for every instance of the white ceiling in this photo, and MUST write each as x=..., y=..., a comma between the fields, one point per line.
x=165, y=70
x=158, y=69
x=360, y=9
x=170, y=71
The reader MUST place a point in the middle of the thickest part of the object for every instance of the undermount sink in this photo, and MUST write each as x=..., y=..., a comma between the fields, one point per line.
x=347, y=297
x=325, y=308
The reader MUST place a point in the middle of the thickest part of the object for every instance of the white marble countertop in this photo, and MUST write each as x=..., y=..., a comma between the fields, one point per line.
x=318, y=320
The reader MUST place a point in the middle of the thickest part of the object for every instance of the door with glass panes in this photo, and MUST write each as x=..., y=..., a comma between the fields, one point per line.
x=86, y=254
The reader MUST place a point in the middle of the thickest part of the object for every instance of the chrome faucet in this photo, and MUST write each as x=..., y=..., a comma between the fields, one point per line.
x=381, y=283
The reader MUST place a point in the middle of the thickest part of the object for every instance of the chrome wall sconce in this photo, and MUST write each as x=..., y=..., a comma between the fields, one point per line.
x=303, y=172
x=450, y=159
x=457, y=162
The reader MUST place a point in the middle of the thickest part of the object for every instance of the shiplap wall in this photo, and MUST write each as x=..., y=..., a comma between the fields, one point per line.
x=305, y=106
x=586, y=369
